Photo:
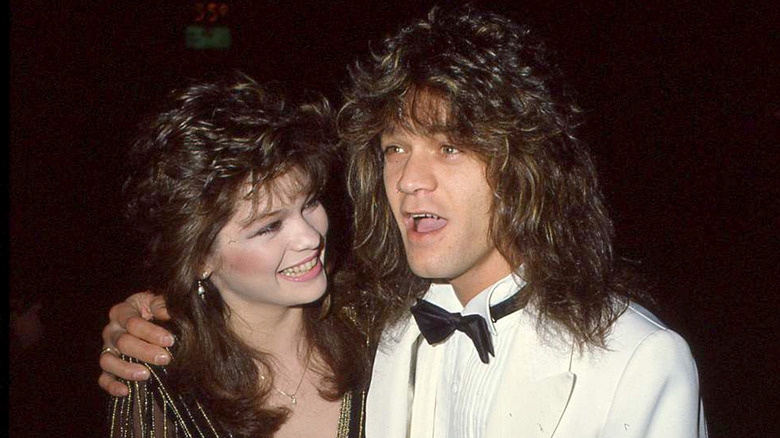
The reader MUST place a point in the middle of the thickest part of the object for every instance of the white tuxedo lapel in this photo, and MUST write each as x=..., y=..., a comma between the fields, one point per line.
x=533, y=409
x=389, y=397
x=535, y=389
x=426, y=382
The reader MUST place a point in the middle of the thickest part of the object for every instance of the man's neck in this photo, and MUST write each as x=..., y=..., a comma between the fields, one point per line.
x=480, y=277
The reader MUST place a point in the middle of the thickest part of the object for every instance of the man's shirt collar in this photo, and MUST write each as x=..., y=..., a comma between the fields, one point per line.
x=443, y=295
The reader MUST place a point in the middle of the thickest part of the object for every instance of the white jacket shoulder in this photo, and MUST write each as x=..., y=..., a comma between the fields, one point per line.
x=645, y=383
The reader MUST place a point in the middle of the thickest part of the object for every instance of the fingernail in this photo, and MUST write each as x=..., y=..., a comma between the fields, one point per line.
x=167, y=340
x=162, y=359
x=140, y=375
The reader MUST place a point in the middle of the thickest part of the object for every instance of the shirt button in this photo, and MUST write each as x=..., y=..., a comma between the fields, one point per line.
x=455, y=387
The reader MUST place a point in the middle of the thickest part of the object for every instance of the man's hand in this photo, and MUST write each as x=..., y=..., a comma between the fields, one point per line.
x=131, y=332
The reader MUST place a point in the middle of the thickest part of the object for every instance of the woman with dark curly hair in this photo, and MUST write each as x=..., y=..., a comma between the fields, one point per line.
x=225, y=190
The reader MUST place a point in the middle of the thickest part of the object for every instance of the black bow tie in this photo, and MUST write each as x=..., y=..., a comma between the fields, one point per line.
x=436, y=324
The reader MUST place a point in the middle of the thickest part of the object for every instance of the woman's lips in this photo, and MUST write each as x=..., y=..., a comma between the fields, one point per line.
x=303, y=271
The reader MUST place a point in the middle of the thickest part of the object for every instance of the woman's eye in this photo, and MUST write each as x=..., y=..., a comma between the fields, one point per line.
x=311, y=204
x=270, y=228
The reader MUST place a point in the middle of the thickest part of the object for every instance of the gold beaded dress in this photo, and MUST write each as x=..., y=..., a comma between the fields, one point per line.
x=152, y=410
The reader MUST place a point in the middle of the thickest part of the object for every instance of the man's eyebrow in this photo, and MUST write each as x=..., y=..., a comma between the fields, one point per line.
x=393, y=134
x=390, y=130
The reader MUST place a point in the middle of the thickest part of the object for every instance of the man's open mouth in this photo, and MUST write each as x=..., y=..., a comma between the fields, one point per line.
x=427, y=222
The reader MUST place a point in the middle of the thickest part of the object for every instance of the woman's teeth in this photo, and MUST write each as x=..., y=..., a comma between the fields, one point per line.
x=299, y=270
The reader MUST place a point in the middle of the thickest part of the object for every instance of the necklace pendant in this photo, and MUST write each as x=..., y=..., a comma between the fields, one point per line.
x=294, y=400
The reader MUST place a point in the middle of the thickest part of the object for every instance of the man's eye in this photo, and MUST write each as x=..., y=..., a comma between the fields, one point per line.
x=449, y=150
x=270, y=228
x=392, y=149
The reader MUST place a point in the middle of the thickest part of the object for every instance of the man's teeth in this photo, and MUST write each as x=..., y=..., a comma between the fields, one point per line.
x=427, y=222
x=418, y=216
x=296, y=271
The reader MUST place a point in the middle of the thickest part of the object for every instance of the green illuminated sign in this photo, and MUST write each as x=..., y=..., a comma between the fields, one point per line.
x=201, y=37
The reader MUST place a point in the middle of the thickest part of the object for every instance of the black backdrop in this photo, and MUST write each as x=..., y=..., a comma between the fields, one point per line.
x=683, y=116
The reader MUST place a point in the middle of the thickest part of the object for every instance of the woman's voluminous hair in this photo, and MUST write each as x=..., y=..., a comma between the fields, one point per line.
x=190, y=167
x=487, y=83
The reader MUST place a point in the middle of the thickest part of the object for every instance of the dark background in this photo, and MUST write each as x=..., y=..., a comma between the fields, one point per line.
x=682, y=101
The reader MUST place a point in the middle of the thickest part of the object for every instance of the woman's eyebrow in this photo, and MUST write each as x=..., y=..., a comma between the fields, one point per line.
x=257, y=218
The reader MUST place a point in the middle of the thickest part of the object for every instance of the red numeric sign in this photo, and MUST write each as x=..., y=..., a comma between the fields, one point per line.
x=211, y=12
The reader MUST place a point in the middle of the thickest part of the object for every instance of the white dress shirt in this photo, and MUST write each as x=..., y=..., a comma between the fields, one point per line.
x=467, y=385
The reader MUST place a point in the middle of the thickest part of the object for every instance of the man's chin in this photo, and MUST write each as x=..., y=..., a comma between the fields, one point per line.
x=429, y=271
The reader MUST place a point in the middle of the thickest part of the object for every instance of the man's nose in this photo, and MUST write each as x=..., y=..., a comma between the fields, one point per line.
x=417, y=174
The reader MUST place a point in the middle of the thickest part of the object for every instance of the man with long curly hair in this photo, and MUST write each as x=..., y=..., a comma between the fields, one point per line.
x=465, y=162
x=476, y=204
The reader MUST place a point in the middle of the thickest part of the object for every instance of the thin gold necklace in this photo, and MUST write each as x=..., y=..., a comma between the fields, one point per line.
x=293, y=399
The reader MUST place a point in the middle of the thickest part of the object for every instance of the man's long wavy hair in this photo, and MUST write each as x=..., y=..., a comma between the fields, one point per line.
x=190, y=167
x=488, y=84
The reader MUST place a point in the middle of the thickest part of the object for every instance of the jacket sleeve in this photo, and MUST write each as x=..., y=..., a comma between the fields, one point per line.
x=141, y=413
x=658, y=394
x=153, y=408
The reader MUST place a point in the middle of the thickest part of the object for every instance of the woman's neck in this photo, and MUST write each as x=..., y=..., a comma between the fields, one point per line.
x=277, y=331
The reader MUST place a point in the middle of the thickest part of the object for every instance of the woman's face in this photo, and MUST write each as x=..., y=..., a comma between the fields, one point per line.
x=272, y=255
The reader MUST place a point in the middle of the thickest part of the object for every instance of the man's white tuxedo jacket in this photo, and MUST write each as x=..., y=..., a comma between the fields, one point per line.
x=644, y=385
